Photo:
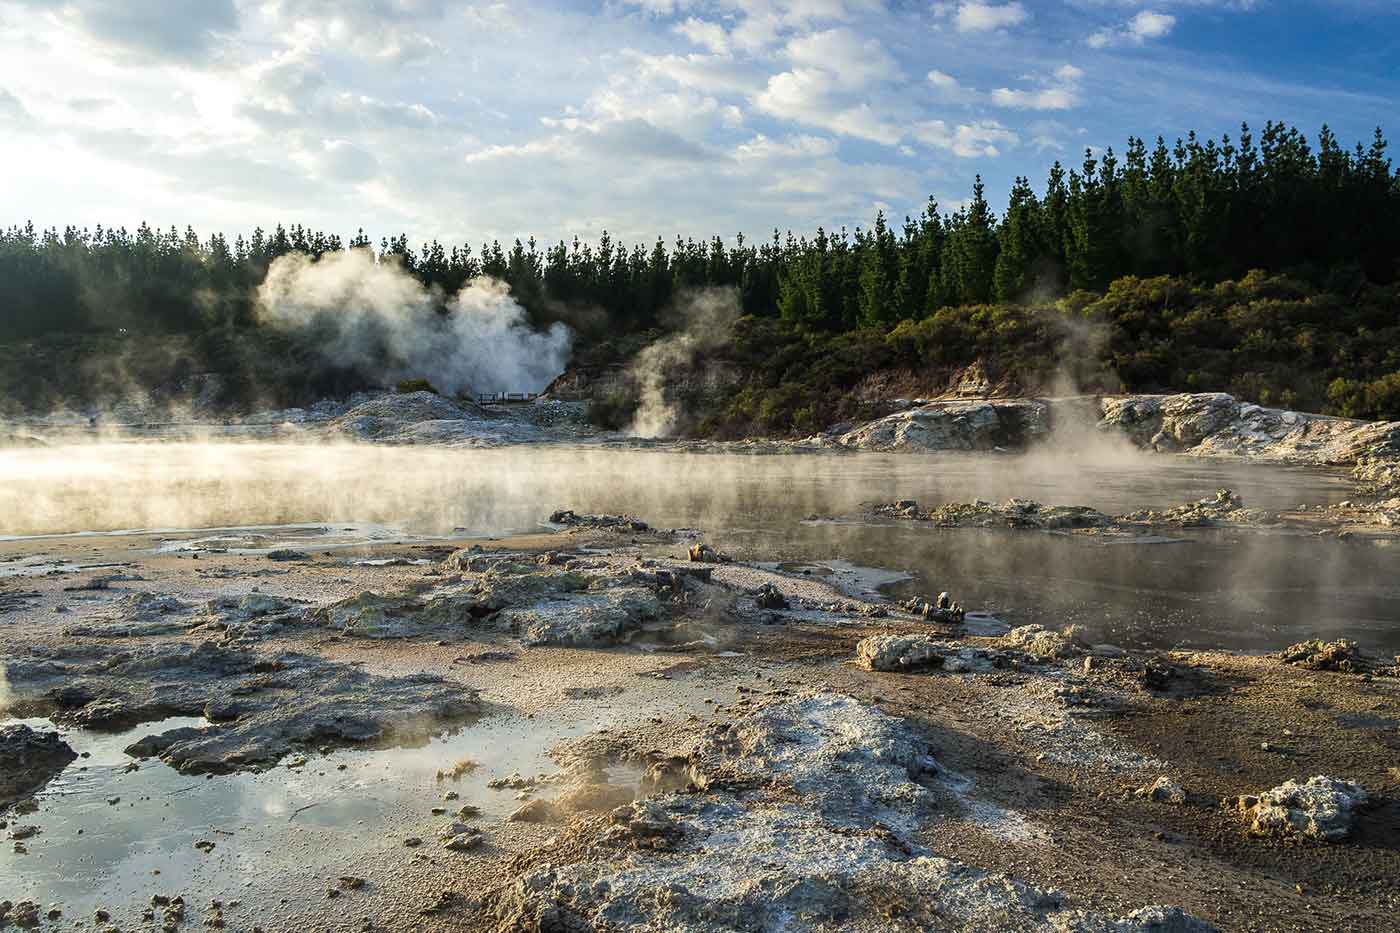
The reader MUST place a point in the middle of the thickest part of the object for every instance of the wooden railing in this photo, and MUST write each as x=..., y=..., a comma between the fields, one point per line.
x=502, y=398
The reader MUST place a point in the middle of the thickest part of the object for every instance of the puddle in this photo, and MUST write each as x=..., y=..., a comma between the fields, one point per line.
x=37, y=565
x=288, y=826
x=851, y=579
x=260, y=539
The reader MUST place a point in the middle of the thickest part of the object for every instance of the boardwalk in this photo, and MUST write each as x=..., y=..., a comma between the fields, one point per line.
x=503, y=398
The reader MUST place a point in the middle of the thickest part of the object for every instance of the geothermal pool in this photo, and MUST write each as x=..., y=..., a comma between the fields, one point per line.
x=201, y=519
x=1246, y=589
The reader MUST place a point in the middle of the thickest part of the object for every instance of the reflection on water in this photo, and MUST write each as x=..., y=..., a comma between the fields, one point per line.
x=278, y=828
x=1247, y=590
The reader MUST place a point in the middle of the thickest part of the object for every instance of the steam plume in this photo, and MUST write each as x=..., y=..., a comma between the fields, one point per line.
x=375, y=318
x=707, y=318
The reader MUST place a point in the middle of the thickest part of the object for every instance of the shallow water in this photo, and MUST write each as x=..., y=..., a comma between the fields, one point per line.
x=1244, y=590
x=443, y=491
x=279, y=828
x=1247, y=590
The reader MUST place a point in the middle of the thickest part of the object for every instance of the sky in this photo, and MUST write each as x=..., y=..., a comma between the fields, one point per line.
x=471, y=121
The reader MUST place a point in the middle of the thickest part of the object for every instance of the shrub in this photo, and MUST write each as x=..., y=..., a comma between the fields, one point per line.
x=415, y=385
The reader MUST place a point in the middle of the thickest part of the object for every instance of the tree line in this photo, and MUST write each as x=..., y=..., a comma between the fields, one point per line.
x=1208, y=211
x=1199, y=211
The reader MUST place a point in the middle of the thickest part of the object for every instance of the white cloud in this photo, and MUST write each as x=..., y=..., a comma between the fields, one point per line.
x=715, y=74
x=707, y=35
x=1147, y=24
x=1059, y=91
x=12, y=111
x=152, y=29
x=975, y=16
x=949, y=89
x=342, y=160
x=813, y=97
x=850, y=59
x=966, y=140
x=835, y=79
x=543, y=118
x=1150, y=25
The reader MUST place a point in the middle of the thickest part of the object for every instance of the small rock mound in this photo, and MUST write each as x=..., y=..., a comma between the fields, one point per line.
x=919, y=652
x=1323, y=809
x=1317, y=655
x=1224, y=507
x=1013, y=513
x=940, y=609
x=1163, y=790
x=29, y=760
x=704, y=554
x=770, y=597
x=617, y=522
x=411, y=407
x=1041, y=642
x=390, y=413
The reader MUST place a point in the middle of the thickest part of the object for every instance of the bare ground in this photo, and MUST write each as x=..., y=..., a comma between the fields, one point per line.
x=1044, y=803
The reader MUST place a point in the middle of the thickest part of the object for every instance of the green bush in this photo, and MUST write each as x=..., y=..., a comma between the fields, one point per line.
x=415, y=385
x=613, y=411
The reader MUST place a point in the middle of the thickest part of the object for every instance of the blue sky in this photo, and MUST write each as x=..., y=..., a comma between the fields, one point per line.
x=466, y=121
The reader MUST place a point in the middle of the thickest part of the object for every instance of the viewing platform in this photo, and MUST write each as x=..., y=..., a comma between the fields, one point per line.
x=506, y=398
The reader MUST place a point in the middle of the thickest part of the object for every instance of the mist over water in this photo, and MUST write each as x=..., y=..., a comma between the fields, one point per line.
x=439, y=491
x=1245, y=589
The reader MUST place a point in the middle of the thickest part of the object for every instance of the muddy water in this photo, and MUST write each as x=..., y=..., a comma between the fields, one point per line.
x=282, y=831
x=1247, y=590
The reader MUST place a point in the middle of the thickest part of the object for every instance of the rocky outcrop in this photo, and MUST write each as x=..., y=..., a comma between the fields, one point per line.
x=372, y=615
x=1322, y=809
x=803, y=817
x=1205, y=424
x=1224, y=508
x=1013, y=513
x=260, y=707
x=1043, y=643
x=615, y=522
x=919, y=652
x=1215, y=424
x=1342, y=656
x=940, y=608
x=954, y=425
x=29, y=760
x=538, y=602
x=586, y=619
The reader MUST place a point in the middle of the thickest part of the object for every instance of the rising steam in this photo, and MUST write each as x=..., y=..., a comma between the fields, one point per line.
x=706, y=320
x=374, y=318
